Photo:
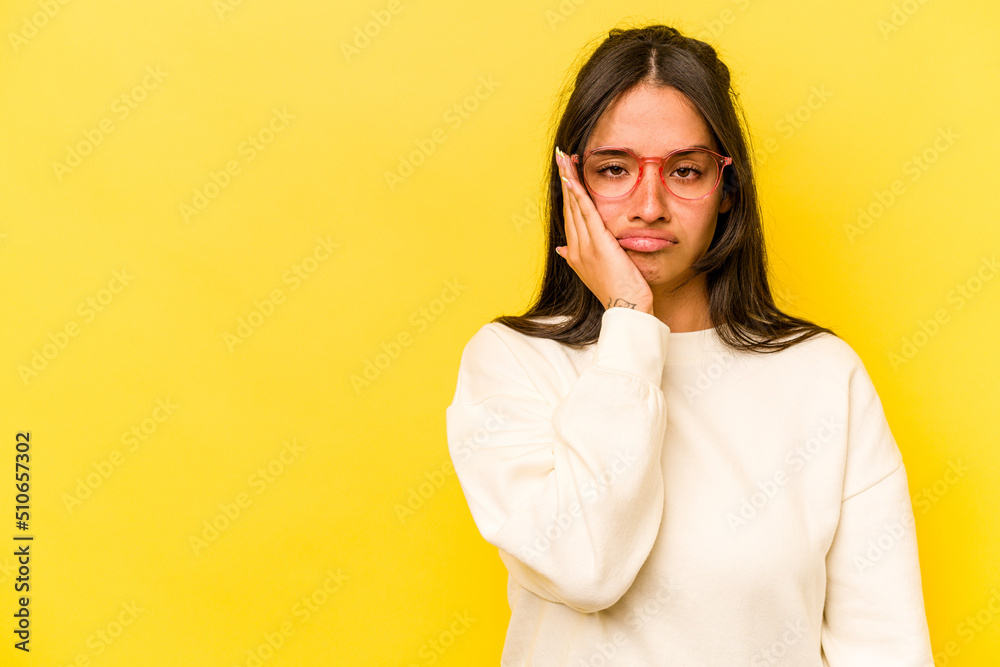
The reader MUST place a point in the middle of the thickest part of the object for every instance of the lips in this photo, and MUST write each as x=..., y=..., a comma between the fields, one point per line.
x=646, y=240
x=644, y=243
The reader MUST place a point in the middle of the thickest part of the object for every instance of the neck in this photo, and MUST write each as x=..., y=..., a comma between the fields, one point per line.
x=685, y=309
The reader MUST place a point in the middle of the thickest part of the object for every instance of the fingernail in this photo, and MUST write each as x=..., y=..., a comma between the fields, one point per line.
x=565, y=180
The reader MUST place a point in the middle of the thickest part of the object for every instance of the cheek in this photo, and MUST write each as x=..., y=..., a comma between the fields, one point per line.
x=609, y=211
x=697, y=225
x=706, y=228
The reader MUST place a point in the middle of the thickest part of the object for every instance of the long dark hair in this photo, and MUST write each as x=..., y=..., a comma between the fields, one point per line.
x=741, y=306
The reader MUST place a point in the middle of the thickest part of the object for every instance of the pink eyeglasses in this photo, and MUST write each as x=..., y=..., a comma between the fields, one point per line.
x=687, y=173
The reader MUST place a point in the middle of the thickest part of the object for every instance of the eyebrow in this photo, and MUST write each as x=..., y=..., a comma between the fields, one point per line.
x=707, y=148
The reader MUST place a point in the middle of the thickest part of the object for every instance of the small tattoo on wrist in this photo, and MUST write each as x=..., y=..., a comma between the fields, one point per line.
x=621, y=303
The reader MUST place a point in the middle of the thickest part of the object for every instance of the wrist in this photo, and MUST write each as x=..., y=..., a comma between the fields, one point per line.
x=646, y=307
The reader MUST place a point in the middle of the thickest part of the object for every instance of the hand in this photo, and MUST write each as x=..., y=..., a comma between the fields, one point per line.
x=593, y=252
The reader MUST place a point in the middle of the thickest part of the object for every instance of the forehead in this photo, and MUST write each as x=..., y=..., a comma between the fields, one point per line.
x=651, y=121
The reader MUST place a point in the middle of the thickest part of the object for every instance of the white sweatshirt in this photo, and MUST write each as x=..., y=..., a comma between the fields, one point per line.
x=660, y=499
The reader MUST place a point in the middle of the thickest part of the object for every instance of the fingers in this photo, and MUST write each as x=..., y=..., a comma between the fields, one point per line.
x=583, y=230
x=568, y=221
x=573, y=225
x=588, y=215
x=577, y=233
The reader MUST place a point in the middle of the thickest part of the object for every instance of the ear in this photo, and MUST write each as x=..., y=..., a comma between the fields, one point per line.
x=726, y=203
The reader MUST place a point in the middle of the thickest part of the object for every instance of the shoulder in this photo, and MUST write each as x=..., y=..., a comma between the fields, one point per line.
x=497, y=356
x=496, y=341
x=821, y=368
x=869, y=446
x=827, y=363
x=827, y=353
x=492, y=333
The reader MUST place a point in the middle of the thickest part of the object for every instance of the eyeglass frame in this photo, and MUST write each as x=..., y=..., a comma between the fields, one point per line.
x=722, y=160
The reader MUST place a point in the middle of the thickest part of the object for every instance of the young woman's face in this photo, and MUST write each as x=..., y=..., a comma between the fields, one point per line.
x=652, y=121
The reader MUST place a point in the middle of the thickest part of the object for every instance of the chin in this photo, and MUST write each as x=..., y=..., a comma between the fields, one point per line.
x=655, y=275
x=657, y=268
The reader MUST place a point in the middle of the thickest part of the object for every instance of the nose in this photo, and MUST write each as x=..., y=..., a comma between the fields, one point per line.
x=650, y=199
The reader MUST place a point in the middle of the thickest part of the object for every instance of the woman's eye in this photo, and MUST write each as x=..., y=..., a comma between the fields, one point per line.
x=613, y=170
x=687, y=172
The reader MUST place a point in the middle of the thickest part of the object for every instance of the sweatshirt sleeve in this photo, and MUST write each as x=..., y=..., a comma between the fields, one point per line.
x=874, y=614
x=570, y=491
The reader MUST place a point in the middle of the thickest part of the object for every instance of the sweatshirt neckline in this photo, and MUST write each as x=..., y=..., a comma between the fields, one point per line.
x=687, y=346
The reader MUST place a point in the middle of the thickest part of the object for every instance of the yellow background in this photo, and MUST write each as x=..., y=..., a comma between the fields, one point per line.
x=841, y=97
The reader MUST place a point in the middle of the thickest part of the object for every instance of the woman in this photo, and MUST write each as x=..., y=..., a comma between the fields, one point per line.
x=674, y=471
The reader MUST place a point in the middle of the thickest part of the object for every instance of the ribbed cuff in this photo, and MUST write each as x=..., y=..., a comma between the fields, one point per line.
x=632, y=341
